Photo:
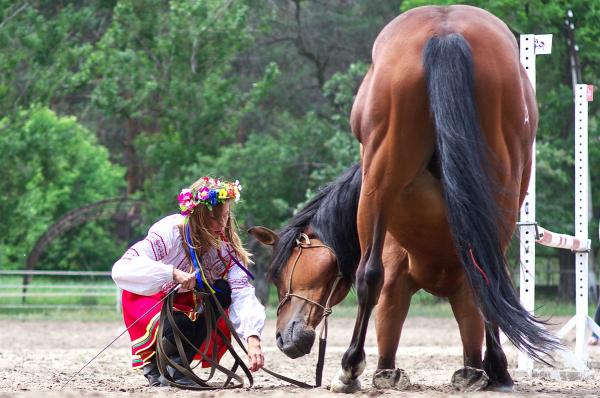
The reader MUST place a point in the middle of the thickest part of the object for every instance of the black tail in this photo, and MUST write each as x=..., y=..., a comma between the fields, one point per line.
x=473, y=212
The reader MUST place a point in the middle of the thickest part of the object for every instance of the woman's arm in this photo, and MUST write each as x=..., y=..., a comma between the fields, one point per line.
x=247, y=315
x=140, y=270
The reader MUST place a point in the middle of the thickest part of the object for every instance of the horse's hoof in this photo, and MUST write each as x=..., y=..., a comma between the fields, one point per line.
x=504, y=383
x=497, y=387
x=344, y=384
x=470, y=379
x=396, y=379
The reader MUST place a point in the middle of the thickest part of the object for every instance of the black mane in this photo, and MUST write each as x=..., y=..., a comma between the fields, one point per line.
x=332, y=216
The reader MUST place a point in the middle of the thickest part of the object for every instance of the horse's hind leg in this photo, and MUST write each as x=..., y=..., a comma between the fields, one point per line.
x=495, y=363
x=390, y=315
x=369, y=277
x=471, y=377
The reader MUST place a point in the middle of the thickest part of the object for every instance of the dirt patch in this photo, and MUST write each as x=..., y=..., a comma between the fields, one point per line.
x=36, y=358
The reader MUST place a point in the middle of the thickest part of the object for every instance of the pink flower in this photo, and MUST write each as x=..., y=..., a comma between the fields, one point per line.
x=184, y=196
x=203, y=193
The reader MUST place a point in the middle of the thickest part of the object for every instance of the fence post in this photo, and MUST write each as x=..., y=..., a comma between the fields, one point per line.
x=118, y=300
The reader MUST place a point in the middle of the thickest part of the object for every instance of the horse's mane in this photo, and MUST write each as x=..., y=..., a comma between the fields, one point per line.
x=332, y=216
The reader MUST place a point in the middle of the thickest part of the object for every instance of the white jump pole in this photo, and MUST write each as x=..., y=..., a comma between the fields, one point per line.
x=527, y=215
x=581, y=219
x=581, y=321
x=530, y=45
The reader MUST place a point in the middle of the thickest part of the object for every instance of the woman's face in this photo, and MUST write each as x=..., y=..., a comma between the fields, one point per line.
x=218, y=217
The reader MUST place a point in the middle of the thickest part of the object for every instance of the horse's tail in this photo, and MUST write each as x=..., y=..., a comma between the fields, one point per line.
x=473, y=213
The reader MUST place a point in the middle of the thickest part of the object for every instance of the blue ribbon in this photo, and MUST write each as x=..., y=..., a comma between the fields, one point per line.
x=188, y=239
x=193, y=256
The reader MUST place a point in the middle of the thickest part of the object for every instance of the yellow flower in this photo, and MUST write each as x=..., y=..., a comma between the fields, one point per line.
x=222, y=194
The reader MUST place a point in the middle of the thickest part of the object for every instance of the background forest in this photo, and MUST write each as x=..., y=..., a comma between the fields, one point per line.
x=135, y=99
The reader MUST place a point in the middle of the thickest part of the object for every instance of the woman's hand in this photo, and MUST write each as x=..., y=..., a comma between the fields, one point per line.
x=256, y=359
x=187, y=280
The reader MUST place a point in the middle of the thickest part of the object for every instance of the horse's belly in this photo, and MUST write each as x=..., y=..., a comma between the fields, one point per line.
x=421, y=228
x=437, y=278
x=420, y=215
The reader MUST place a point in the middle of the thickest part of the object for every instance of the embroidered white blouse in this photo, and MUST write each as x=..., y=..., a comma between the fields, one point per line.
x=147, y=268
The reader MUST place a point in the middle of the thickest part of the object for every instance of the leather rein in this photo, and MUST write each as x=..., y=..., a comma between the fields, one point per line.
x=213, y=312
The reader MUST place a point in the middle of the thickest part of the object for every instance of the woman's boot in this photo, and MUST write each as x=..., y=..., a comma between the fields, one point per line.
x=152, y=373
x=172, y=353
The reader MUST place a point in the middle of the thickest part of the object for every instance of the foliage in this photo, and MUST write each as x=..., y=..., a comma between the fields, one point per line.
x=51, y=165
x=247, y=89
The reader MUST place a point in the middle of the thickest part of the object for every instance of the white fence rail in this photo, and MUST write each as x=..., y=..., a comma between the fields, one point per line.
x=44, y=295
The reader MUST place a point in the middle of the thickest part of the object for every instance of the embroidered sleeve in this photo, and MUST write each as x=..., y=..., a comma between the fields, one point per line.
x=141, y=269
x=246, y=313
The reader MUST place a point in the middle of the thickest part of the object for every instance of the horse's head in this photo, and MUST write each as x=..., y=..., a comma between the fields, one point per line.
x=309, y=282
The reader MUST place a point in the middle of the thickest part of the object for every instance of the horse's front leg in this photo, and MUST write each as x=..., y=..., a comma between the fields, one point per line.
x=369, y=277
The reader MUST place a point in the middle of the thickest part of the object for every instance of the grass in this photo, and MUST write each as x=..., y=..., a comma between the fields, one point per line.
x=424, y=304
x=59, y=298
x=81, y=306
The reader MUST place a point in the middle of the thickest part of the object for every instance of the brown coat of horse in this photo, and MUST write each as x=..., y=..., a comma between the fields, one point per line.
x=446, y=117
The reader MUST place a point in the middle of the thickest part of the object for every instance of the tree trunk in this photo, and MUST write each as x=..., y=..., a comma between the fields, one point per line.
x=134, y=178
x=262, y=260
x=260, y=270
x=566, y=287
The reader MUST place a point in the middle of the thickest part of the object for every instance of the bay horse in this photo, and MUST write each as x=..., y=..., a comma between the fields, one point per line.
x=446, y=118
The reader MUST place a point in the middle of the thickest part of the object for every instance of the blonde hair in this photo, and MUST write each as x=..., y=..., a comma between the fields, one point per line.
x=201, y=236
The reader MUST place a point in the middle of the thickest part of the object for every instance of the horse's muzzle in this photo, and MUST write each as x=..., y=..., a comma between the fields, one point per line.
x=296, y=339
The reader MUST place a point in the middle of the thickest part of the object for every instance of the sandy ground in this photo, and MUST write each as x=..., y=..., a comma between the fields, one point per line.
x=36, y=358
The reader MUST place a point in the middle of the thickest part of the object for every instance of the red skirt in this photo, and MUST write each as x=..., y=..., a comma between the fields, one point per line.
x=143, y=333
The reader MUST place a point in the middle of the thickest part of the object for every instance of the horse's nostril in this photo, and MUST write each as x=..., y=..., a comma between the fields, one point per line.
x=278, y=339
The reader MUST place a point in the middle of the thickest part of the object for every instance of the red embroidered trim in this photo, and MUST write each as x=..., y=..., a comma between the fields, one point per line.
x=163, y=243
x=152, y=247
x=236, y=284
x=158, y=246
x=130, y=253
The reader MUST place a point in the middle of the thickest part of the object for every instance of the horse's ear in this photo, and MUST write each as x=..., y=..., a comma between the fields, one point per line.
x=264, y=235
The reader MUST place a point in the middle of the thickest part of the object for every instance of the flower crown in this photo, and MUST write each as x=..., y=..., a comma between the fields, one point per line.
x=210, y=193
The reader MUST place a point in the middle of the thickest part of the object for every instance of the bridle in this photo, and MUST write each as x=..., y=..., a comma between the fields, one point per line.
x=303, y=242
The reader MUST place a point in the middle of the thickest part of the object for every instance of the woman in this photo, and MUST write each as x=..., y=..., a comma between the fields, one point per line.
x=199, y=246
